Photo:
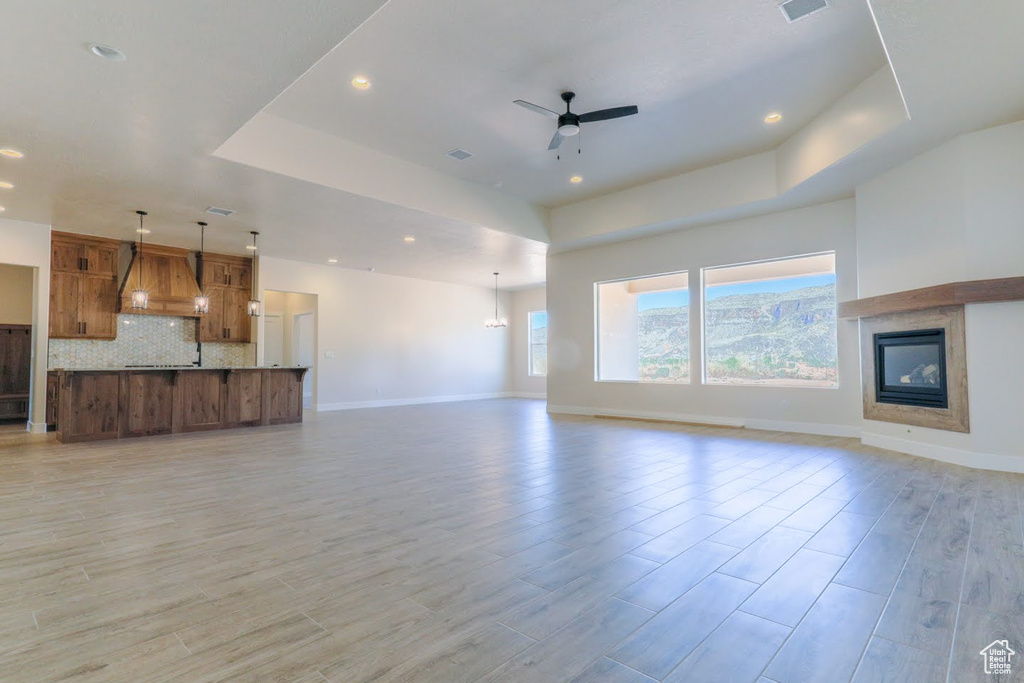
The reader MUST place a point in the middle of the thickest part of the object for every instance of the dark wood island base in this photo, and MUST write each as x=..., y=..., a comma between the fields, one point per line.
x=117, y=404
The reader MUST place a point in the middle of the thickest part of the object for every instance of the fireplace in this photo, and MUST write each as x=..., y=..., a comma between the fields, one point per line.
x=910, y=368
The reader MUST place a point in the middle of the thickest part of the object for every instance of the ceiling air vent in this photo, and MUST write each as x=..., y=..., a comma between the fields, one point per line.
x=798, y=9
x=459, y=154
x=217, y=211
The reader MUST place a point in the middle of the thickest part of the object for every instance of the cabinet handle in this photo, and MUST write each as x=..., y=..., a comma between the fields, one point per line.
x=86, y=263
x=85, y=327
x=81, y=263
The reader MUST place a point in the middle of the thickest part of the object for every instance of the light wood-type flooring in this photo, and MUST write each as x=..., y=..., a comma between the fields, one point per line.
x=487, y=541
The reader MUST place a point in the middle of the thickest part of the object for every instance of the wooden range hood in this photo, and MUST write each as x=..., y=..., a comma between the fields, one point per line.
x=167, y=276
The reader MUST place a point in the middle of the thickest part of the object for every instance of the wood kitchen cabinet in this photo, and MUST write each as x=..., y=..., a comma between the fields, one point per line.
x=227, y=280
x=83, y=287
x=224, y=270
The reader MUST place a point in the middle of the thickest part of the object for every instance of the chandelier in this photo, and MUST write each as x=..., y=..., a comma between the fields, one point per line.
x=496, y=321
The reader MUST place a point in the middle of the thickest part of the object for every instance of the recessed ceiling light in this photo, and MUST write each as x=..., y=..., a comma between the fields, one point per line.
x=2, y=209
x=576, y=180
x=332, y=260
x=4, y=185
x=410, y=239
x=361, y=83
x=142, y=231
x=107, y=52
x=12, y=153
x=774, y=117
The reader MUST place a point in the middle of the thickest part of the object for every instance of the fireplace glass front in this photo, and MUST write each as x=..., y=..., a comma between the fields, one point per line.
x=910, y=368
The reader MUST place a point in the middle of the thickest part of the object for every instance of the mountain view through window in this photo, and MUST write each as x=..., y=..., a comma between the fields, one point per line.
x=779, y=331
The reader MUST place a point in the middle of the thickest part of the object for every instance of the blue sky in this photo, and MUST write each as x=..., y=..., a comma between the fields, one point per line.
x=539, y=319
x=671, y=299
x=773, y=286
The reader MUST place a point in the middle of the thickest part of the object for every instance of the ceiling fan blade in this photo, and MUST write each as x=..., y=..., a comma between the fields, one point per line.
x=556, y=141
x=605, y=114
x=536, y=108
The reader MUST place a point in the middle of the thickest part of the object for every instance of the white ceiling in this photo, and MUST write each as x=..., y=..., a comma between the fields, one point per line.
x=704, y=73
x=103, y=139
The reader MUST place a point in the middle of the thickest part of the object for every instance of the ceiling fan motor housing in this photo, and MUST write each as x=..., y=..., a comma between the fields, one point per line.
x=568, y=124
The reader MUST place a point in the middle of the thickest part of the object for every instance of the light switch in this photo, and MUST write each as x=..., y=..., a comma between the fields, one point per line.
x=328, y=354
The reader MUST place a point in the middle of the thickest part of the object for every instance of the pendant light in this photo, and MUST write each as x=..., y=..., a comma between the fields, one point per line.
x=140, y=297
x=496, y=321
x=253, y=307
x=202, y=301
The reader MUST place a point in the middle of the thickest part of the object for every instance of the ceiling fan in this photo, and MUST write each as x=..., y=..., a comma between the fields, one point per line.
x=569, y=123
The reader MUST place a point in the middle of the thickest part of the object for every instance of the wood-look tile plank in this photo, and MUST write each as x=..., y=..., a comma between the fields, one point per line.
x=668, y=638
x=572, y=649
x=889, y=662
x=667, y=582
x=828, y=643
x=787, y=595
x=764, y=556
x=716, y=658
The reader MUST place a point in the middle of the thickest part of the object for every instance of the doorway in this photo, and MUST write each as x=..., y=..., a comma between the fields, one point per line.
x=16, y=307
x=289, y=336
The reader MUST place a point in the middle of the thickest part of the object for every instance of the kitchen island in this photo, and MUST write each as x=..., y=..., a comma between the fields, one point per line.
x=118, y=403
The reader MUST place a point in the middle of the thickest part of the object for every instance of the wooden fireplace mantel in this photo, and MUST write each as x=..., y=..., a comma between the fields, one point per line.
x=951, y=294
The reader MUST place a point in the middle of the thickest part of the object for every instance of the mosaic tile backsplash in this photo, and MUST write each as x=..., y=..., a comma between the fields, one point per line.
x=147, y=340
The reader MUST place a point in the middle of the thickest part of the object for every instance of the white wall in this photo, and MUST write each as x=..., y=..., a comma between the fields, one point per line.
x=16, y=285
x=520, y=383
x=956, y=213
x=570, y=293
x=28, y=244
x=394, y=339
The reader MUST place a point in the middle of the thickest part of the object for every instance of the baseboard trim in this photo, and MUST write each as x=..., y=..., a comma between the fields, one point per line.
x=393, y=402
x=954, y=456
x=526, y=394
x=816, y=428
x=706, y=420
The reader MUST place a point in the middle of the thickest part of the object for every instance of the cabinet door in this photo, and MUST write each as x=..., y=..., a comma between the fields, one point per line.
x=100, y=260
x=236, y=317
x=66, y=257
x=211, y=325
x=97, y=308
x=65, y=292
x=52, y=397
x=240, y=275
x=215, y=273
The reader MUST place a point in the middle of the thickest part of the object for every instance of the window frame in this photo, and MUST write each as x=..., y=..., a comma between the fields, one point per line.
x=688, y=273
x=530, y=343
x=703, y=323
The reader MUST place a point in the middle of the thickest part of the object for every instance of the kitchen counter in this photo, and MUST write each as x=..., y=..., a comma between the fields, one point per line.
x=117, y=403
x=165, y=368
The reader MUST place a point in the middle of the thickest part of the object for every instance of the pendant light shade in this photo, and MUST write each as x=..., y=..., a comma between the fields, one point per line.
x=253, y=307
x=496, y=321
x=202, y=301
x=140, y=297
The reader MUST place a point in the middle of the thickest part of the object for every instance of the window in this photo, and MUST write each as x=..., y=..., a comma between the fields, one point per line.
x=538, y=343
x=771, y=323
x=644, y=329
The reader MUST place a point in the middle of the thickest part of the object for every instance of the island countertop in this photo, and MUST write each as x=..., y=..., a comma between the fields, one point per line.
x=165, y=368
x=117, y=403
